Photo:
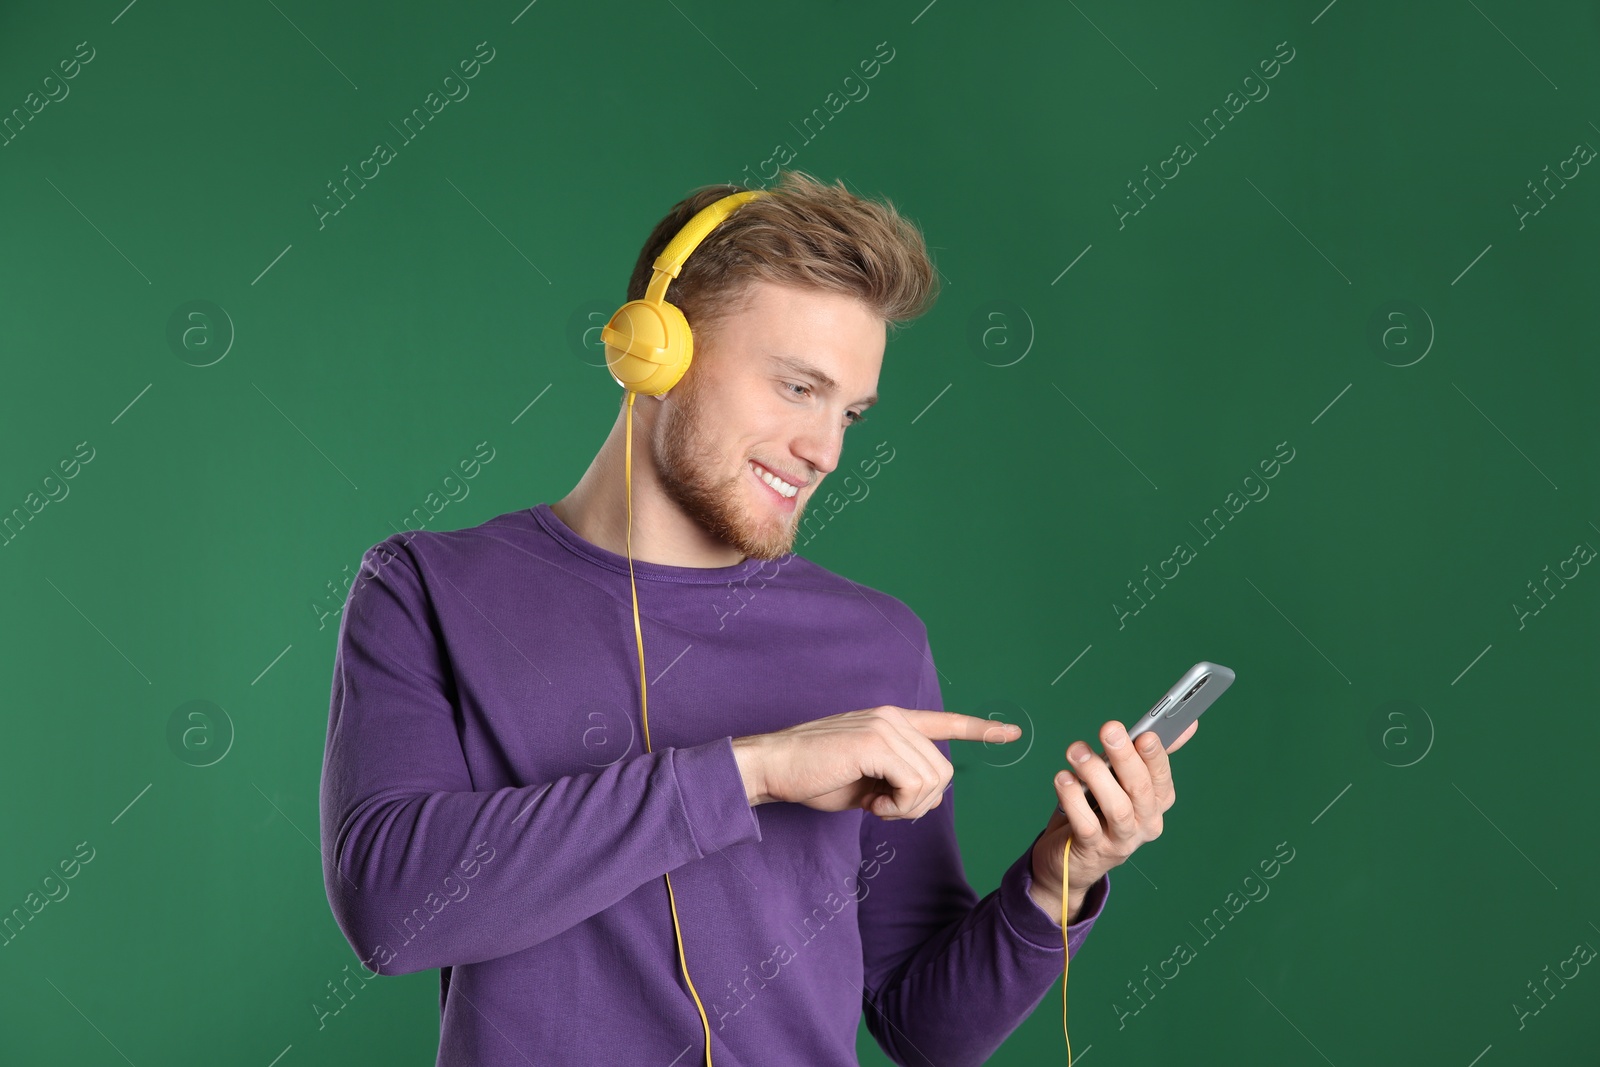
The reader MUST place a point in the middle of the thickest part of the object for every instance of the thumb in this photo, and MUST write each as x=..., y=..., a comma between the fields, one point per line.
x=1058, y=814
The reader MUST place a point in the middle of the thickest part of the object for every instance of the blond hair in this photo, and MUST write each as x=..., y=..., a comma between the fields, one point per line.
x=804, y=233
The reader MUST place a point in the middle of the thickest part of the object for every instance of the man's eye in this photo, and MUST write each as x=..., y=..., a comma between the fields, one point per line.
x=857, y=418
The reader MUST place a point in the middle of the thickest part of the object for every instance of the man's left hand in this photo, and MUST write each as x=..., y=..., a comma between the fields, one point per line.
x=1131, y=804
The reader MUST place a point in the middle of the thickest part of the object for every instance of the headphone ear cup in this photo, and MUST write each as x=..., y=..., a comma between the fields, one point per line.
x=648, y=346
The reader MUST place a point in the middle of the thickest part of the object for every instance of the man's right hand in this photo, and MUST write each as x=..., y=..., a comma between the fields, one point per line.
x=882, y=760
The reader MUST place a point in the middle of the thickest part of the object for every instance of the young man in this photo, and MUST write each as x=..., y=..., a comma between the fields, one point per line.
x=488, y=804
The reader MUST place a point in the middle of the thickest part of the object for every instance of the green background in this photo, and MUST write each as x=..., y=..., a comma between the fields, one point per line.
x=1426, y=755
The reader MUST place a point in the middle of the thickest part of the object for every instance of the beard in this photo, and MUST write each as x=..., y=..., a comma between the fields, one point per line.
x=685, y=459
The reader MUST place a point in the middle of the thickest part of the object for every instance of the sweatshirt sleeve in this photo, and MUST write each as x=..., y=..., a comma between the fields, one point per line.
x=423, y=871
x=948, y=975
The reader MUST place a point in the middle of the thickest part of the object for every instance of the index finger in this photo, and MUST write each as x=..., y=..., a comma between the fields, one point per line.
x=1160, y=770
x=954, y=726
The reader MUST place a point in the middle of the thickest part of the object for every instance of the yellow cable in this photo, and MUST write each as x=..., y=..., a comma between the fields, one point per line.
x=1065, y=855
x=627, y=477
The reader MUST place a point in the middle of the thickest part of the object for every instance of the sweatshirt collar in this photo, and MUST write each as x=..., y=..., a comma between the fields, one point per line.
x=659, y=572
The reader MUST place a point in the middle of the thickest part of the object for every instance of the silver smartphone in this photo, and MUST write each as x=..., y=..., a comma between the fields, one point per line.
x=1192, y=694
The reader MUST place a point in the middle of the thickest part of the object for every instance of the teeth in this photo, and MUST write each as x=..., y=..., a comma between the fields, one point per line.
x=773, y=480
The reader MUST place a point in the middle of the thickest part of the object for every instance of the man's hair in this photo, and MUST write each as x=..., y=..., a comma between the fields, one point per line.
x=805, y=234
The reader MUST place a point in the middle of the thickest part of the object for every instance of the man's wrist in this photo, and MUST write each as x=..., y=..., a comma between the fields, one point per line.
x=1050, y=903
x=748, y=751
x=1047, y=894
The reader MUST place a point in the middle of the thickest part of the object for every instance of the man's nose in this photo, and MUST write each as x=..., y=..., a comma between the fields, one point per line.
x=821, y=444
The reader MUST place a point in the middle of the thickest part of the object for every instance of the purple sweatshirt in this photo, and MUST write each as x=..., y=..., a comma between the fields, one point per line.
x=488, y=808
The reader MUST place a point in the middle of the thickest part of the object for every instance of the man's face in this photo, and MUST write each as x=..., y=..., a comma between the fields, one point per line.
x=758, y=394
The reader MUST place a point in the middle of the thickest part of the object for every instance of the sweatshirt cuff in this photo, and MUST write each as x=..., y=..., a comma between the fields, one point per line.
x=713, y=796
x=1029, y=920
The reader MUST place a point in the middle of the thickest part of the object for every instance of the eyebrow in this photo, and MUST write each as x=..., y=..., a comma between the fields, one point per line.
x=808, y=370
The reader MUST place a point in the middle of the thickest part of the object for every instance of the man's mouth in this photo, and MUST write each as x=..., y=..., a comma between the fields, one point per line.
x=773, y=482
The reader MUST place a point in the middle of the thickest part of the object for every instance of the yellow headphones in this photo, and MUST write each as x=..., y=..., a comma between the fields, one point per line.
x=648, y=342
x=648, y=348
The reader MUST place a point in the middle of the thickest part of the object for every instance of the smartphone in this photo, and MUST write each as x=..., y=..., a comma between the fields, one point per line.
x=1192, y=694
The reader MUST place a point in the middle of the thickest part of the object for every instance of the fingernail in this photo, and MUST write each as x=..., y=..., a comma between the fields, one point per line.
x=1116, y=737
x=1080, y=755
x=1062, y=779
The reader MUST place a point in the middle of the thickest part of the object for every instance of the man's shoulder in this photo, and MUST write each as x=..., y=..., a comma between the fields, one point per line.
x=879, y=605
x=426, y=550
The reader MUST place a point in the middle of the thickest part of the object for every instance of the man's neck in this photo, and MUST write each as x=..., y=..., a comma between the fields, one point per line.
x=596, y=510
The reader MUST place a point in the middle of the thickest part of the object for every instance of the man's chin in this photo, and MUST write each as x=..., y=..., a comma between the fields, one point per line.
x=775, y=544
x=769, y=552
x=768, y=548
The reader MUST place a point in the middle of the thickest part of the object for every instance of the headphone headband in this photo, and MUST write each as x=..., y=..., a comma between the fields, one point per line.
x=672, y=258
